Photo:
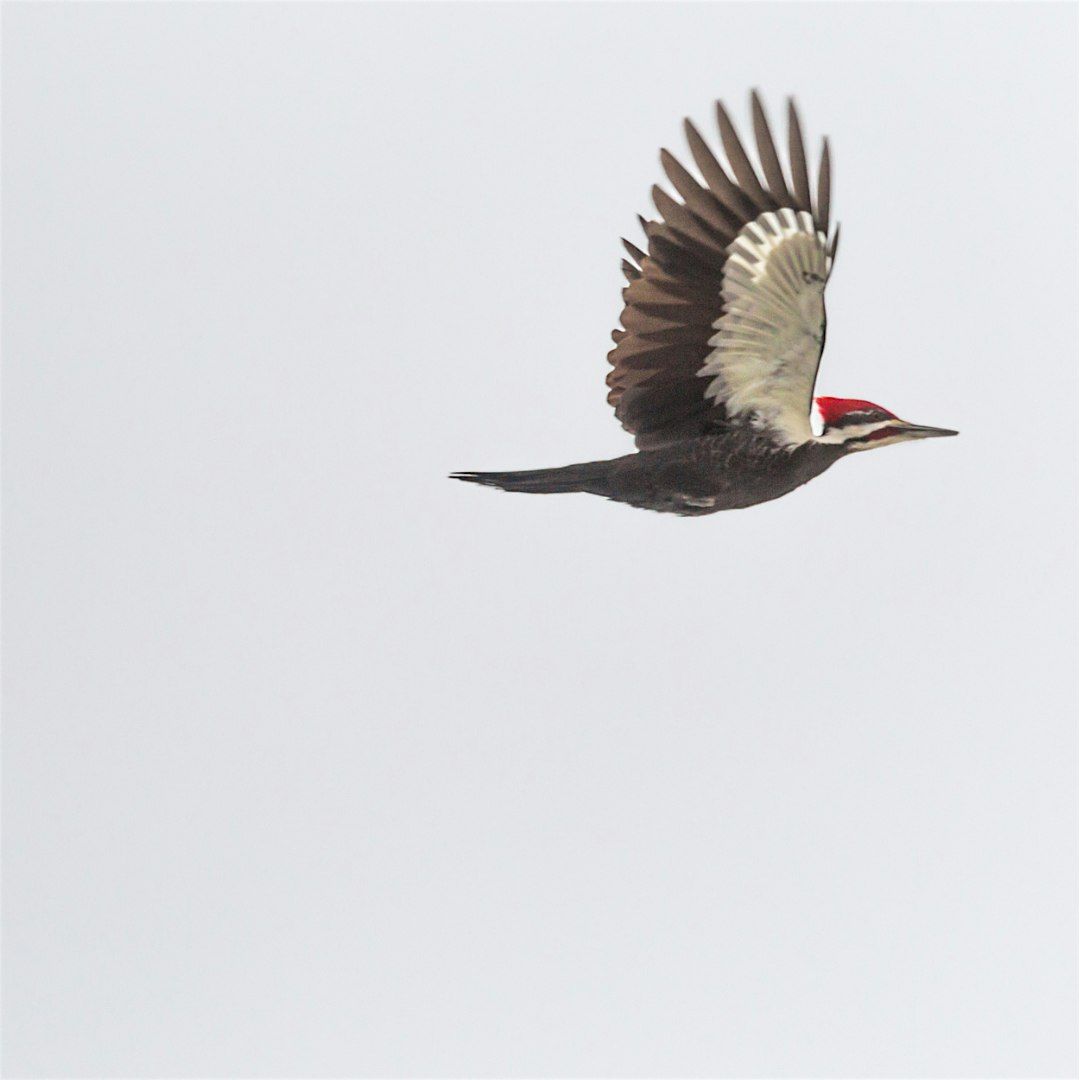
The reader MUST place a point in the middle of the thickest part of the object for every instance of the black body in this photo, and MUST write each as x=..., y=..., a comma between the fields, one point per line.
x=728, y=471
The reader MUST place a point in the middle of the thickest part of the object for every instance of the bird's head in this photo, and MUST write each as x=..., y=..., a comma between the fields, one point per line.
x=862, y=425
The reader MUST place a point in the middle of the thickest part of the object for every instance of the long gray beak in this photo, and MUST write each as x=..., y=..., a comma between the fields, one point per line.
x=921, y=431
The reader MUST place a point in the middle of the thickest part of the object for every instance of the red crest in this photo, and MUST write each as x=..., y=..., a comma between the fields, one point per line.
x=834, y=409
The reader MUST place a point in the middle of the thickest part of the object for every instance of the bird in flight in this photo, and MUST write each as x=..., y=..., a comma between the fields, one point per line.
x=723, y=327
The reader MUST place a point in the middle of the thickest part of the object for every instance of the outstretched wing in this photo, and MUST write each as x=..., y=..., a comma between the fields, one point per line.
x=724, y=317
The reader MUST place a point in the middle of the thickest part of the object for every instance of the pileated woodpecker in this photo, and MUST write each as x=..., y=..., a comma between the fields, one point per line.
x=723, y=327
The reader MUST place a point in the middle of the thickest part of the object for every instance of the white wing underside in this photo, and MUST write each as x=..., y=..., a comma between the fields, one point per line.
x=769, y=340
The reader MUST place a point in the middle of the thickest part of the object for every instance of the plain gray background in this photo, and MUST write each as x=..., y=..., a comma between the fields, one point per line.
x=318, y=763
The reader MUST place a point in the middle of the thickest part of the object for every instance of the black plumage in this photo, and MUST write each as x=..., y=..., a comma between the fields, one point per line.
x=692, y=477
x=720, y=338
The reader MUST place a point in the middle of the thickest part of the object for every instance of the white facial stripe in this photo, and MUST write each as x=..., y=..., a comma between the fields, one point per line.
x=855, y=436
x=854, y=431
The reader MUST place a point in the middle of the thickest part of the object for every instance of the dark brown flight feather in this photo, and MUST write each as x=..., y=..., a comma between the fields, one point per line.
x=740, y=163
x=673, y=296
x=824, y=182
x=770, y=160
x=800, y=180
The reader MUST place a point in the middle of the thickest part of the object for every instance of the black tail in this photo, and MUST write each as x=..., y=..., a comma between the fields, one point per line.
x=593, y=477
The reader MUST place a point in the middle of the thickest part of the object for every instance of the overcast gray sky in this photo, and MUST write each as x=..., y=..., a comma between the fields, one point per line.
x=317, y=763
